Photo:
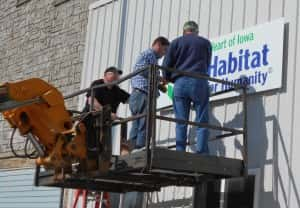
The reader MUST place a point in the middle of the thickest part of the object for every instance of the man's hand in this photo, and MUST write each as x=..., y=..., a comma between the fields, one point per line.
x=162, y=88
x=113, y=116
x=162, y=84
x=97, y=105
x=162, y=81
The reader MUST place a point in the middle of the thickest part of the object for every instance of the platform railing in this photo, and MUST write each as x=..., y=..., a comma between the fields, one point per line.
x=151, y=114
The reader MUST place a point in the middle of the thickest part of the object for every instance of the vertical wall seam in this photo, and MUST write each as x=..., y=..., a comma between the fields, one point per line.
x=151, y=22
x=231, y=17
x=220, y=17
x=189, y=12
x=86, y=53
x=293, y=100
x=132, y=39
x=209, y=20
x=278, y=93
x=244, y=13
x=256, y=11
x=102, y=38
x=110, y=30
x=283, y=7
x=178, y=18
x=142, y=32
x=121, y=32
x=169, y=20
x=269, y=13
x=199, y=11
x=118, y=46
x=94, y=41
x=160, y=15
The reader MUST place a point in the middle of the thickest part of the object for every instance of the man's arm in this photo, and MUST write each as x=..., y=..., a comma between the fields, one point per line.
x=144, y=60
x=124, y=96
x=209, y=53
x=169, y=61
x=97, y=105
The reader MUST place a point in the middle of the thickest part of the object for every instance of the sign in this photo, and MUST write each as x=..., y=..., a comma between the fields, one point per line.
x=252, y=56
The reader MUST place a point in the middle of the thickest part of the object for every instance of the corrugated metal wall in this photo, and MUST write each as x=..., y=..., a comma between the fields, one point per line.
x=17, y=191
x=273, y=115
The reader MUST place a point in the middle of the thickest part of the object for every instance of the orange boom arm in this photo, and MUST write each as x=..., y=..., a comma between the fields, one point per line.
x=47, y=121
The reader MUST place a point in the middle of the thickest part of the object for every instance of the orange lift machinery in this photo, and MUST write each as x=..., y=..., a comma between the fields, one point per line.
x=38, y=111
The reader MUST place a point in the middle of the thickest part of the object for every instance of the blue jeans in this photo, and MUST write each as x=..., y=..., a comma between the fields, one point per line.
x=137, y=105
x=186, y=91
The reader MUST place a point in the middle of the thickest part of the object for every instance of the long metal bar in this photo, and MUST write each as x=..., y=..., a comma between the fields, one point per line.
x=169, y=107
x=218, y=137
x=205, y=125
x=92, y=100
x=201, y=76
x=245, y=132
x=9, y=105
x=131, y=118
x=195, y=75
x=36, y=144
x=61, y=199
x=222, y=92
x=222, y=136
x=106, y=84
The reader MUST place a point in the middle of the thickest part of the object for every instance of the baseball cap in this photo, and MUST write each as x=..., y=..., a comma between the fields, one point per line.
x=191, y=25
x=114, y=70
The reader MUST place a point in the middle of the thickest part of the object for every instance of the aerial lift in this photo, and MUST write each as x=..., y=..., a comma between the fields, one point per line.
x=73, y=149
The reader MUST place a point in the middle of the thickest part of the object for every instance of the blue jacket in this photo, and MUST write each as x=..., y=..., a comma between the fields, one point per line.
x=188, y=53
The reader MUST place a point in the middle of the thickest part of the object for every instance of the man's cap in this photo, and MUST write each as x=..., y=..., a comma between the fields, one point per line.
x=191, y=25
x=114, y=70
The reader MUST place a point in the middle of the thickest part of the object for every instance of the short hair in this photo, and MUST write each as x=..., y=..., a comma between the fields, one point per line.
x=113, y=69
x=161, y=40
x=191, y=26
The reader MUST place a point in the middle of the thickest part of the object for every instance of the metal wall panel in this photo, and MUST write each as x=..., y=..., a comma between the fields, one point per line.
x=17, y=191
x=273, y=116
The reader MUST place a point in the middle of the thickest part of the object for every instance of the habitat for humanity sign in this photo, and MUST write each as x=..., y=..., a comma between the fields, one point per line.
x=252, y=56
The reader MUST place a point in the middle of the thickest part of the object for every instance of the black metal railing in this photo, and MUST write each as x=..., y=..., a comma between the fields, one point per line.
x=151, y=114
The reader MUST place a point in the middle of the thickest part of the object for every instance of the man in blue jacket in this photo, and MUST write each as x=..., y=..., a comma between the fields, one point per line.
x=190, y=53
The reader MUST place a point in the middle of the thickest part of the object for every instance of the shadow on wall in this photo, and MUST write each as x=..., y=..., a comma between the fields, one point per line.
x=278, y=142
x=257, y=139
x=258, y=158
x=258, y=145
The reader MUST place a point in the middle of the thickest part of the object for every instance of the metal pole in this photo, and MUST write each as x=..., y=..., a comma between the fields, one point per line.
x=92, y=100
x=200, y=195
x=36, y=144
x=61, y=201
x=121, y=202
x=37, y=175
x=154, y=102
x=153, y=109
x=149, y=124
x=245, y=132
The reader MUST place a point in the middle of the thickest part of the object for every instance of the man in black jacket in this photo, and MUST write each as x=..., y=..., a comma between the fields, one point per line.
x=106, y=99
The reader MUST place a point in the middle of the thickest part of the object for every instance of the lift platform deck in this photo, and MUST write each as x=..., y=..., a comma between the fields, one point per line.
x=167, y=168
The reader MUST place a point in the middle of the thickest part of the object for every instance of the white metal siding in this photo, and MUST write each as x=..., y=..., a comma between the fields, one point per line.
x=17, y=191
x=273, y=116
